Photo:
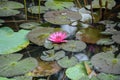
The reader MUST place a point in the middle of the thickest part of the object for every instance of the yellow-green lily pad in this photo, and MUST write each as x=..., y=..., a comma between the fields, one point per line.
x=11, y=41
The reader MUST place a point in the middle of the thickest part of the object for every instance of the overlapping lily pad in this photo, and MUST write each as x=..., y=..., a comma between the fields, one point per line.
x=40, y=34
x=62, y=17
x=29, y=25
x=11, y=65
x=11, y=41
x=66, y=62
x=116, y=38
x=35, y=9
x=45, y=68
x=58, y=5
x=23, y=78
x=111, y=3
x=51, y=55
x=74, y=46
x=105, y=62
x=105, y=41
x=76, y=72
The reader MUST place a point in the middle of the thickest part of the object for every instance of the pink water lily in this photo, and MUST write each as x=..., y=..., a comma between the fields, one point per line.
x=58, y=37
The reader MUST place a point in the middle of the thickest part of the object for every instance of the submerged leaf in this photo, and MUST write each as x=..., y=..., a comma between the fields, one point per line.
x=12, y=41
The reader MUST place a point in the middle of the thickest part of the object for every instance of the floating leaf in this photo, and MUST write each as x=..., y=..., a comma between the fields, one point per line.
x=1, y=21
x=23, y=78
x=74, y=46
x=11, y=65
x=105, y=41
x=29, y=25
x=3, y=78
x=76, y=72
x=66, y=62
x=11, y=41
x=45, y=68
x=10, y=5
x=118, y=15
x=62, y=17
x=40, y=34
x=58, y=5
x=35, y=9
x=105, y=62
x=8, y=12
x=111, y=3
x=50, y=55
x=116, y=38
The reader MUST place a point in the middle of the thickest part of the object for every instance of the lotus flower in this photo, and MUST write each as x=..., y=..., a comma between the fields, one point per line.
x=58, y=37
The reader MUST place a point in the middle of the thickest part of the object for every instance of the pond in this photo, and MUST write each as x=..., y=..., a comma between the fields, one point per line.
x=59, y=40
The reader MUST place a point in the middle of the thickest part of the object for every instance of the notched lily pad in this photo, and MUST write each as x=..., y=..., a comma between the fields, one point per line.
x=35, y=9
x=74, y=46
x=66, y=62
x=51, y=55
x=11, y=41
x=29, y=25
x=105, y=62
x=40, y=34
x=11, y=65
x=45, y=68
x=58, y=5
x=76, y=72
x=62, y=17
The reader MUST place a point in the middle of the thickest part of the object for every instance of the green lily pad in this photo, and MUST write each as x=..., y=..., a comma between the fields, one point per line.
x=116, y=38
x=3, y=78
x=74, y=46
x=118, y=15
x=105, y=62
x=23, y=78
x=35, y=9
x=111, y=3
x=10, y=5
x=50, y=55
x=61, y=17
x=29, y=25
x=66, y=62
x=76, y=72
x=8, y=12
x=105, y=41
x=1, y=21
x=40, y=34
x=11, y=41
x=11, y=65
x=58, y=5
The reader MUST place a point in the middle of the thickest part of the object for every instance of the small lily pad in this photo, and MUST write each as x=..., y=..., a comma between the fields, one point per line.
x=50, y=55
x=58, y=5
x=23, y=78
x=35, y=9
x=105, y=41
x=3, y=78
x=11, y=41
x=61, y=17
x=66, y=62
x=45, y=68
x=1, y=21
x=74, y=46
x=10, y=5
x=116, y=38
x=8, y=12
x=11, y=65
x=40, y=34
x=29, y=25
x=76, y=72
x=105, y=62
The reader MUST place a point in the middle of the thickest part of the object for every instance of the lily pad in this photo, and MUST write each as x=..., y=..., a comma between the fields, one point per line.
x=116, y=38
x=111, y=3
x=8, y=12
x=45, y=68
x=1, y=21
x=62, y=17
x=58, y=5
x=105, y=62
x=74, y=46
x=40, y=34
x=23, y=78
x=35, y=9
x=66, y=62
x=76, y=72
x=29, y=25
x=105, y=41
x=11, y=41
x=11, y=65
x=50, y=55
x=3, y=78
x=10, y=5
